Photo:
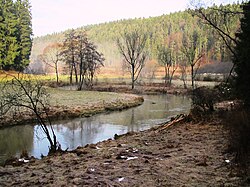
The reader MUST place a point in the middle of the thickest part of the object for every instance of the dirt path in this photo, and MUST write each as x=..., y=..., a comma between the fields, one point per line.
x=187, y=154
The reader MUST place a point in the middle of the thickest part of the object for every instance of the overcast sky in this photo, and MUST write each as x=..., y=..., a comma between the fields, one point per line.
x=58, y=15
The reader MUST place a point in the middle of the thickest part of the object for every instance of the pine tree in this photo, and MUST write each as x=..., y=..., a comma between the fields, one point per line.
x=24, y=34
x=15, y=34
x=241, y=59
x=10, y=41
x=2, y=36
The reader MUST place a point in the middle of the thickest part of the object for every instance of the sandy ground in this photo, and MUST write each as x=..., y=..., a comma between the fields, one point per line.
x=184, y=154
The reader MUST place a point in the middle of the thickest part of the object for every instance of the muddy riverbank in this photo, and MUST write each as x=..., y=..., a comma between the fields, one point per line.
x=186, y=153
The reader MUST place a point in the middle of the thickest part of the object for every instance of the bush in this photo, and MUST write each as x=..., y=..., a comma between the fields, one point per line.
x=237, y=121
x=205, y=98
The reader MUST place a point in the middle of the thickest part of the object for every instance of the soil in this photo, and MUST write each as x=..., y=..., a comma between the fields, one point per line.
x=187, y=153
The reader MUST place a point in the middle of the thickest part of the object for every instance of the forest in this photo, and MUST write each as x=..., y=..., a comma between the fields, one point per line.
x=166, y=30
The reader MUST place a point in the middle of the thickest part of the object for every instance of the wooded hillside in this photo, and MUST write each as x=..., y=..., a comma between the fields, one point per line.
x=163, y=30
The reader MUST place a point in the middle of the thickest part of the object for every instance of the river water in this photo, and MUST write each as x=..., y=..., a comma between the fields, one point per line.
x=156, y=109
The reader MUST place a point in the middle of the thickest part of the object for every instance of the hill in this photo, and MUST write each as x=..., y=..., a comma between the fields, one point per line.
x=160, y=30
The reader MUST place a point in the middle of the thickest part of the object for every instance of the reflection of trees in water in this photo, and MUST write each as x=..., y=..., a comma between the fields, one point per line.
x=79, y=132
x=133, y=125
x=14, y=140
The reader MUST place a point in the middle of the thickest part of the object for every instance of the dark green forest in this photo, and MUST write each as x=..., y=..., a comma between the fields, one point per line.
x=15, y=34
x=168, y=30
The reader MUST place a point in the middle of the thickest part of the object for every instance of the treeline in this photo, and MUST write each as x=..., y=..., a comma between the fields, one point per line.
x=163, y=30
x=15, y=34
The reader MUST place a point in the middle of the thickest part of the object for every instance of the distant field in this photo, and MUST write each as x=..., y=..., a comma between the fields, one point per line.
x=113, y=79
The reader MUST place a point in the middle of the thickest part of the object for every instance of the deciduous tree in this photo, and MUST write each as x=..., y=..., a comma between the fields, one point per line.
x=193, y=51
x=167, y=58
x=52, y=57
x=132, y=48
x=69, y=53
x=23, y=94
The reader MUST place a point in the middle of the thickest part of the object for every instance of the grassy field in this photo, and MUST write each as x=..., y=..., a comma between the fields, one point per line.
x=71, y=98
x=65, y=104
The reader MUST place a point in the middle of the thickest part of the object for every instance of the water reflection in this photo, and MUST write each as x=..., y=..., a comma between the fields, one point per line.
x=82, y=131
x=14, y=140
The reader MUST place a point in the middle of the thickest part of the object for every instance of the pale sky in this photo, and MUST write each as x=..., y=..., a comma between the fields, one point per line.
x=50, y=16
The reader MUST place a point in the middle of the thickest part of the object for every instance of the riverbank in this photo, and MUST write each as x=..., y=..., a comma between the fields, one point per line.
x=145, y=88
x=185, y=153
x=66, y=104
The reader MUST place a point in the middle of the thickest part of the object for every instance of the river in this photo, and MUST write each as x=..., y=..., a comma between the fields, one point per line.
x=156, y=109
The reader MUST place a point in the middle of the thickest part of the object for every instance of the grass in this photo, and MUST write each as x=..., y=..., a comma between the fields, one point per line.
x=63, y=97
x=102, y=78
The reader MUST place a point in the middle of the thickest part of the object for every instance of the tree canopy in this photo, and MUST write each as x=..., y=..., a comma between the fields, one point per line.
x=15, y=34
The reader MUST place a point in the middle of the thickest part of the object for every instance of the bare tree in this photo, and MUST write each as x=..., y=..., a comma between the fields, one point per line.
x=91, y=62
x=51, y=57
x=132, y=48
x=193, y=51
x=95, y=61
x=22, y=94
x=167, y=58
x=82, y=57
x=183, y=67
x=69, y=54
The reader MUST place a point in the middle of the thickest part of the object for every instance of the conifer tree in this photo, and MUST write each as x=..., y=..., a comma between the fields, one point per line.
x=24, y=34
x=10, y=41
x=15, y=34
x=241, y=59
x=2, y=36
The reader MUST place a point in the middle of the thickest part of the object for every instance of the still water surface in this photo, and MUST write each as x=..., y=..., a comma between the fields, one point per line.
x=156, y=109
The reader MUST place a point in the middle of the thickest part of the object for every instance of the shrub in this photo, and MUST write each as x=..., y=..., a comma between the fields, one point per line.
x=205, y=98
x=237, y=121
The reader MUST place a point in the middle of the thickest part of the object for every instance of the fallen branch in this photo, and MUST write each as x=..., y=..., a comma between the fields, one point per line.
x=176, y=120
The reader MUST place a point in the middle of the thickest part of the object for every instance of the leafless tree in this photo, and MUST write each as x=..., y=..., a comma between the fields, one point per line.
x=167, y=58
x=193, y=51
x=94, y=60
x=183, y=68
x=51, y=57
x=22, y=94
x=68, y=54
x=132, y=48
x=82, y=57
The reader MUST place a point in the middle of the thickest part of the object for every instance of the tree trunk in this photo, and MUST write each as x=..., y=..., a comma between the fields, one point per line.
x=133, y=76
x=57, y=76
x=76, y=76
x=166, y=74
x=71, y=74
x=192, y=76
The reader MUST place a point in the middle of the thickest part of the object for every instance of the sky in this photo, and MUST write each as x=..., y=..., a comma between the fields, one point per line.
x=49, y=16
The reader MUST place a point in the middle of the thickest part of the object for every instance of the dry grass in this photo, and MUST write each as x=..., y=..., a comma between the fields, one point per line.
x=80, y=98
x=70, y=104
